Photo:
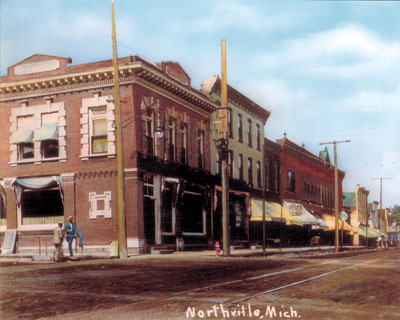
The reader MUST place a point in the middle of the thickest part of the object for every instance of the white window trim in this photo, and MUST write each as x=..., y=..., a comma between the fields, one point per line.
x=93, y=211
x=97, y=101
x=36, y=112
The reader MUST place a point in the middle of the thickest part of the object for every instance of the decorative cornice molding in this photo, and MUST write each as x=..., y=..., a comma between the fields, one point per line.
x=91, y=79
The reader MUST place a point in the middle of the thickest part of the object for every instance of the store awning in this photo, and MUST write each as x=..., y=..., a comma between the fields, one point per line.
x=372, y=233
x=273, y=212
x=330, y=222
x=23, y=135
x=49, y=131
x=38, y=184
x=297, y=209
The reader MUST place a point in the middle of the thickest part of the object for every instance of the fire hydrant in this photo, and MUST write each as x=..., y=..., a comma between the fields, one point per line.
x=217, y=248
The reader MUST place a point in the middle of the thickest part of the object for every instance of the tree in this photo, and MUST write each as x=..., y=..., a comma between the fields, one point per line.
x=395, y=216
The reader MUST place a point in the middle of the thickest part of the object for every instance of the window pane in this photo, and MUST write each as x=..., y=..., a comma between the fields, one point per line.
x=99, y=144
x=99, y=127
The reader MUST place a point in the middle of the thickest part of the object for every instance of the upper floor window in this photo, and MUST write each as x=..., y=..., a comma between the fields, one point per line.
x=250, y=170
x=258, y=174
x=291, y=181
x=230, y=163
x=267, y=175
x=48, y=136
x=258, y=136
x=98, y=130
x=276, y=177
x=171, y=139
x=240, y=128
x=230, y=123
x=149, y=143
x=200, y=148
x=24, y=137
x=219, y=163
x=184, y=143
x=249, y=133
x=38, y=133
x=240, y=166
x=97, y=127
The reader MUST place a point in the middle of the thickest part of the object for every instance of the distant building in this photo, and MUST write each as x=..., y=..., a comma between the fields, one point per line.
x=356, y=204
x=307, y=181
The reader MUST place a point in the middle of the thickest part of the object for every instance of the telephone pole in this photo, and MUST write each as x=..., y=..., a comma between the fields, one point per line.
x=223, y=142
x=334, y=142
x=122, y=243
x=380, y=202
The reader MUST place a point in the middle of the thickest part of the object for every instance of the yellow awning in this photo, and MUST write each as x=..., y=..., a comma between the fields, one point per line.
x=330, y=221
x=273, y=212
x=372, y=233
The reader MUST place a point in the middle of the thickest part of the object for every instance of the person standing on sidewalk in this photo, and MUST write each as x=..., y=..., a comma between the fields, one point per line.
x=58, y=240
x=72, y=232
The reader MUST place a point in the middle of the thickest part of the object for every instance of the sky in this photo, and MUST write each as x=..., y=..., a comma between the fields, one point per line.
x=327, y=70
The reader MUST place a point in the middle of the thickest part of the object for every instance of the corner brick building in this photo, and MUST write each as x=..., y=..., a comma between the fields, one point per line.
x=58, y=152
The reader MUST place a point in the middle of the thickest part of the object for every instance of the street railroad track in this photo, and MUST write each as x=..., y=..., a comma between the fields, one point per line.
x=234, y=291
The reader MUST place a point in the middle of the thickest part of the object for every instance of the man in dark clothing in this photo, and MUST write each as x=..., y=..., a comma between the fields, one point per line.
x=72, y=231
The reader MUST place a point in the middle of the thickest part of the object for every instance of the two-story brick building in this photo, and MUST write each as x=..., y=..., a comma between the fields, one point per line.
x=307, y=187
x=58, y=152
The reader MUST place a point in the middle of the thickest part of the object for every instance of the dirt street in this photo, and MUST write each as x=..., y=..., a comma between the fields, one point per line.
x=194, y=286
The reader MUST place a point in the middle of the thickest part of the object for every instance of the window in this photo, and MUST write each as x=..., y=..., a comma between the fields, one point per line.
x=276, y=177
x=267, y=175
x=184, y=143
x=291, y=181
x=169, y=192
x=258, y=136
x=230, y=163
x=149, y=143
x=240, y=167
x=249, y=134
x=148, y=186
x=230, y=123
x=240, y=128
x=219, y=163
x=98, y=130
x=48, y=136
x=258, y=174
x=24, y=137
x=171, y=140
x=250, y=170
x=38, y=133
x=98, y=127
x=200, y=148
x=41, y=207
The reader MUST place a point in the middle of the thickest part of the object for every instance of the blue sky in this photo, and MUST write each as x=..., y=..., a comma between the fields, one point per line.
x=327, y=70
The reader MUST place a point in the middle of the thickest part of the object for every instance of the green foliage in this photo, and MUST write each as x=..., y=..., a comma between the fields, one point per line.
x=395, y=216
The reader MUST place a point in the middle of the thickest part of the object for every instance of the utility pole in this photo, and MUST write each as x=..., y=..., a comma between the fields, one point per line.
x=223, y=137
x=334, y=142
x=380, y=201
x=122, y=245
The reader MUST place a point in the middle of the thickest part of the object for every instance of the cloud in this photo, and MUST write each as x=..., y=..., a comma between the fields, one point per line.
x=349, y=51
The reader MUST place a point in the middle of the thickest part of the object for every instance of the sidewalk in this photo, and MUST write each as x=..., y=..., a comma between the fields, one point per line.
x=270, y=252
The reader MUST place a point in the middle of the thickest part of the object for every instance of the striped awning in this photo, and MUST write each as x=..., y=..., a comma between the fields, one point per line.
x=298, y=210
x=372, y=233
x=330, y=222
x=49, y=131
x=23, y=135
x=273, y=212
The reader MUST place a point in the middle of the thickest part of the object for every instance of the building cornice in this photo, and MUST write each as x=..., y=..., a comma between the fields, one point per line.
x=99, y=78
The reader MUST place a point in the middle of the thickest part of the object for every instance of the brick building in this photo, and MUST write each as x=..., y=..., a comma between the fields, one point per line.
x=307, y=187
x=58, y=152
